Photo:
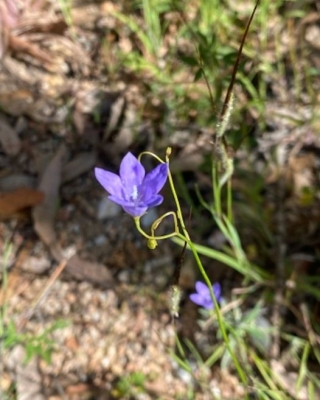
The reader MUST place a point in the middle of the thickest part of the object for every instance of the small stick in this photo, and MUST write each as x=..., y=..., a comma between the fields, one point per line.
x=42, y=295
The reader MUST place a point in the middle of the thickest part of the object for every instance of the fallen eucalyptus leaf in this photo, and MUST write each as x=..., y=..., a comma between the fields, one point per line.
x=44, y=214
x=82, y=163
x=89, y=271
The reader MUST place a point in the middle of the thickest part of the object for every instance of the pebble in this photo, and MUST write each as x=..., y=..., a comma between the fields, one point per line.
x=36, y=265
x=107, y=209
x=100, y=240
x=16, y=181
x=124, y=276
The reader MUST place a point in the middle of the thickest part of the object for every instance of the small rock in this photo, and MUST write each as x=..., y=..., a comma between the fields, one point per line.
x=100, y=240
x=107, y=209
x=36, y=265
x=69, y=251
x=124, y=276
x=16, y=181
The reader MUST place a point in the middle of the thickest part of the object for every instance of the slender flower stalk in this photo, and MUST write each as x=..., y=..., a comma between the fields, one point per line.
x=187, y=238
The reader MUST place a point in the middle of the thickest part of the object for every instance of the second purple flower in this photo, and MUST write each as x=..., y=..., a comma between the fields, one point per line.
x=202, y=297
x=133, y=189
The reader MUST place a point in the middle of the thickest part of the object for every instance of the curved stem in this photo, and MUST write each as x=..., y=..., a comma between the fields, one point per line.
x=152, y=237
x=156, y=224
x=152, y=155
x=187, y=238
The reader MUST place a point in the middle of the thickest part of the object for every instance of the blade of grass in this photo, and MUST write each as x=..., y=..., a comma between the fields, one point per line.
x=248, y=270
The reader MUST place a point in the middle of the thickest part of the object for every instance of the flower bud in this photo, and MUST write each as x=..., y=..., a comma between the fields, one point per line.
x=152, y=244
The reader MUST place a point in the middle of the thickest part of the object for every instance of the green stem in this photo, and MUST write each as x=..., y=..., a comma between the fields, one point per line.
x=219, y=315
x=152, y=155
x=186, y=237
x=150, y=237
x=216, y=189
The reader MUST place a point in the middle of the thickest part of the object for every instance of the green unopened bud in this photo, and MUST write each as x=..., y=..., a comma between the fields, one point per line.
x=152, y=244
x=168, y=154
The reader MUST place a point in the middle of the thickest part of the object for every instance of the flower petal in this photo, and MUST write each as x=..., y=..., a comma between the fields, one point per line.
x=217, y=290
x=135, y=211
x=208, y=304
x=202, y=288
x=156, y=178
x=154, y=200
x=197, y=299
x=132, y=173
x=109, y=181
x=119, y=200
x=145, y=193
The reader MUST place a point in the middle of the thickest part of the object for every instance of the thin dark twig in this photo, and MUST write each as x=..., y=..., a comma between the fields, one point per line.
x=236, y=65
x=26, y=317
x=177, y=271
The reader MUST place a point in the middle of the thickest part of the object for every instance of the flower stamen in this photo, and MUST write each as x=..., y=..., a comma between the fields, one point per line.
x=134, y=193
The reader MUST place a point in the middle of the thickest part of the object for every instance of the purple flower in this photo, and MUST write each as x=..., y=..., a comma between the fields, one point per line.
x=203, y=297
x=132, y=188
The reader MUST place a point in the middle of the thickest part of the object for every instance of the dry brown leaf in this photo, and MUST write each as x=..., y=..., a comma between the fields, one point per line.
x=44, y=214
x=41, y=22
x=18, y=199
x=21, y=45
x=82, y=163
x=66, y=55
x=89, y=271
x=16, y=284
x=9, y=138
x=84, y=390
x=15, y=102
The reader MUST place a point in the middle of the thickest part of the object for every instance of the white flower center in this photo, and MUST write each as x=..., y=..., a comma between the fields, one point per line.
x=134, y=194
